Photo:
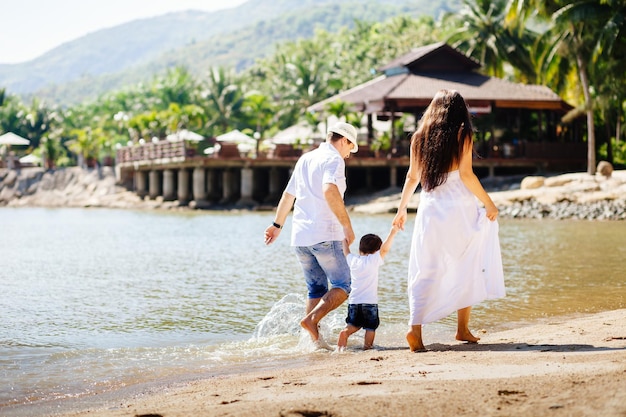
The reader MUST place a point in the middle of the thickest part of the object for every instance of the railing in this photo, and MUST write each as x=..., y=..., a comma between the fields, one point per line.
x=154, y=151
x=536, y=151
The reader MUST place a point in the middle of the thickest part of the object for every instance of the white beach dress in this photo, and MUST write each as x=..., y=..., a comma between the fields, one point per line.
x=455, y=259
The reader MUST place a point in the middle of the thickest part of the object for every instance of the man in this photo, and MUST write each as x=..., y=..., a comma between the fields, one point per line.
x=320, y=223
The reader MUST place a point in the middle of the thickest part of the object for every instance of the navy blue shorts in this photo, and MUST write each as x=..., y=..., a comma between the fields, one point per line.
x=363, y=315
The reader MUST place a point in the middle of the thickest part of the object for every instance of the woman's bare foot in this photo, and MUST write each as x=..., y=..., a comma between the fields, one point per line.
x=308, y=325
x=415, y=342
x=466, y=336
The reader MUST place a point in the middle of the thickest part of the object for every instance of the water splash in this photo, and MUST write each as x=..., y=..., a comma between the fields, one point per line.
x=283, y=318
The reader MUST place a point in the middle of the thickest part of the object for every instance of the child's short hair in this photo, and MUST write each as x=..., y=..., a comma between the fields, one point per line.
x=370, y=243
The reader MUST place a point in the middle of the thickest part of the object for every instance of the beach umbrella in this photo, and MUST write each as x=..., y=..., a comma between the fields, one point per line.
x=30, y=159
x=235, y=136
x=298, y=133
x=11, y=138
x=185, y=135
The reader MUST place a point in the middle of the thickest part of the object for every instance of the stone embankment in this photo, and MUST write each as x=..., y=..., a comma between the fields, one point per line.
x=69, y=187
x=566, y=196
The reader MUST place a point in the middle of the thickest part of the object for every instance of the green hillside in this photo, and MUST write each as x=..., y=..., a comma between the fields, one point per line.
x=112, y=58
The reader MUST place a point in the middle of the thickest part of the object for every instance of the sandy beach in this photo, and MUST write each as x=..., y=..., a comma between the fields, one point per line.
x=560, y=367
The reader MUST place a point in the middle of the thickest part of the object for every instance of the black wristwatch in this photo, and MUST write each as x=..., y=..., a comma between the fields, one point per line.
x=276, y=225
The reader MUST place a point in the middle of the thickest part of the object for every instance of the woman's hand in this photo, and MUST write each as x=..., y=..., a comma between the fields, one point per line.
x=400, y=219
x=492, y=212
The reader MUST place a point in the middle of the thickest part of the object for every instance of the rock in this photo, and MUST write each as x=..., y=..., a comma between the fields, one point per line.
x=9, y=180
x=567, y=196
x=564, y=179
x=530, y=183
x=605, y=168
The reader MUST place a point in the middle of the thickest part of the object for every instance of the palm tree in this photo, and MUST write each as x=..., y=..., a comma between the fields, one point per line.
x=582, y=32
x=259, y=111
x=177, y=86
x=481, y=30
x=224, y=100
x=86, y=145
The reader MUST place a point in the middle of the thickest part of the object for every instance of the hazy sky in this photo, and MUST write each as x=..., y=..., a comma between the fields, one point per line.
x=29, y=28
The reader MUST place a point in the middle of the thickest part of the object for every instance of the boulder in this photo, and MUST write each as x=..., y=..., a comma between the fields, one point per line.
x=530, y=183
x=605, y=168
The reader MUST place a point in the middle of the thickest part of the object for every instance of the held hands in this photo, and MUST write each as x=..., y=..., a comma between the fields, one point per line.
x=400, y=219
x=349, y=234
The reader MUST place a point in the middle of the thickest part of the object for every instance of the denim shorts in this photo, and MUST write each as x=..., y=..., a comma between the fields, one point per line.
x=363, y=315
x=321, y=263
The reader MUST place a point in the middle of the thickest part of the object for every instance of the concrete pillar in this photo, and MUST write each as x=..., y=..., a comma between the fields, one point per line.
x=199, y=184
x=228, y=191
x=275, y=187
x=247, y=182
x=141, y=183
x=154, y=184
x=211, y=191
x=169, y=190
x=183, y=187
x=393, y=176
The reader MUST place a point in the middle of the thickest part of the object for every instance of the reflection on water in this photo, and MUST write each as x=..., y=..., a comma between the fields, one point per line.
x=92, y=300
x=562, y=267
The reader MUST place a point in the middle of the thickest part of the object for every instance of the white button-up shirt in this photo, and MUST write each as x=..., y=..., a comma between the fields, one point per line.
x=313, y=221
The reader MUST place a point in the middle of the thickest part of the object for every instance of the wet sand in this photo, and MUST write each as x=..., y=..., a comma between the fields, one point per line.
x=561, y=367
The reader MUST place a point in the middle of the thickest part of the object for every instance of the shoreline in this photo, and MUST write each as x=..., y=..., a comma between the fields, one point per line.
x=564, y=196
x=561, y=366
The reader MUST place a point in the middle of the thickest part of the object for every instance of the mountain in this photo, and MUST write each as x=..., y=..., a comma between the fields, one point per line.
x=111, y=58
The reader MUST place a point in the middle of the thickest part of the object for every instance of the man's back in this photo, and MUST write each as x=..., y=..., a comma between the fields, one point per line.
x=313, y=221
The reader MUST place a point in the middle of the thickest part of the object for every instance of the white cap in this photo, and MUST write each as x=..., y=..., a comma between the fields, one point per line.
x=347, y=131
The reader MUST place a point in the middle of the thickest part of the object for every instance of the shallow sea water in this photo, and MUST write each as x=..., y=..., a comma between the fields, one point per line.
x=94, y=301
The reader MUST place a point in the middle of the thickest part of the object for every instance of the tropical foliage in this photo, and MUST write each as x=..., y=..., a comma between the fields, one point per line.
x=581, y=36
x=577, y=48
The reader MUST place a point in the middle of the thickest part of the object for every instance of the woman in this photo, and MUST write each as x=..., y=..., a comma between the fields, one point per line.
x=455, y=257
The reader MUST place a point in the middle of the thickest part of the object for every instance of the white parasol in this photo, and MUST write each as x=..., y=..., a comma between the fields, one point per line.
x=185, y=135
x=235, y=136
x=30, y=159
x=11, y=138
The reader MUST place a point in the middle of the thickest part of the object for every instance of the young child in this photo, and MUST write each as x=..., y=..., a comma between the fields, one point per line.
x=363, y=300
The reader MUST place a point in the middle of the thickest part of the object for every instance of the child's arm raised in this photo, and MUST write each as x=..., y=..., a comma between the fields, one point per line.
x=387, y=243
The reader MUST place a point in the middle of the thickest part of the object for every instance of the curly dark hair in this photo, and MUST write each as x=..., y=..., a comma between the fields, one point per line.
x=441, y=137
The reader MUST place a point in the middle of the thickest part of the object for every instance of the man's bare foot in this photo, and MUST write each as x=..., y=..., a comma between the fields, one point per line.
x=342, y=341
x=415, y=342
x=310, y=327
x=321, y=344
x=466, y=336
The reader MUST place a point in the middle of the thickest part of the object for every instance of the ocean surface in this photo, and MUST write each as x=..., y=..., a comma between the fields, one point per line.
x=94, y=301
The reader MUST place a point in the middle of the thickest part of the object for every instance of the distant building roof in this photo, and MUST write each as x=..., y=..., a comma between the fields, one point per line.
x=410, y=82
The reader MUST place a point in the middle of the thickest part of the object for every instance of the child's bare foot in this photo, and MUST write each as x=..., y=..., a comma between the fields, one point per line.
x=310, y=327
x=466, y=336
x=415, y=342
x=342, y=341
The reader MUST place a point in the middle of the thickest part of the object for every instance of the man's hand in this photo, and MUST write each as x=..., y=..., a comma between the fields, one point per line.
x=271, y=234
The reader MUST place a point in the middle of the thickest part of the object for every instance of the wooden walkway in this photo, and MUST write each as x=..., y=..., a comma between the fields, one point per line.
x=174, y=171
